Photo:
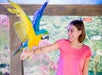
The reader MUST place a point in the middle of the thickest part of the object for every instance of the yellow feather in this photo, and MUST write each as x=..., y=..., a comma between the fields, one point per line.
x=24, y=28
x=24, y=18
x=21, y=31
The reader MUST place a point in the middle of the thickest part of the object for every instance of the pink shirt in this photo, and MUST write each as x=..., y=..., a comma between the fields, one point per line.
x=71, y=60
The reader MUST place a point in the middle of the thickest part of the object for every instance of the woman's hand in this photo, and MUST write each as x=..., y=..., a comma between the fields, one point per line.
x=26, y=53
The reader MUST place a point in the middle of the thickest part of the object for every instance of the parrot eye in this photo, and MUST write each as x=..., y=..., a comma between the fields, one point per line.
x=45, y=37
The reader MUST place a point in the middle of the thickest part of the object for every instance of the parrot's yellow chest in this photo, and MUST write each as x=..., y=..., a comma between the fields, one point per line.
x=34, y=41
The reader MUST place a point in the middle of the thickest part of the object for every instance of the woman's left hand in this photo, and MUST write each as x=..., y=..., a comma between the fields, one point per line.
x=26, y=53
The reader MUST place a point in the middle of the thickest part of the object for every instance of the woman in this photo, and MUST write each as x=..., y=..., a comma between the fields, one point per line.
x=74, y=55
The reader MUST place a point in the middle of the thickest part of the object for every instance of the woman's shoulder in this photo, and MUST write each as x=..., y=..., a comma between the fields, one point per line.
x=86, y=47
x=87, y=50
x=63, y=40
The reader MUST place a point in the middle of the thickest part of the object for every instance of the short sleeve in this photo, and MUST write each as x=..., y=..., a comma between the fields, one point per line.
x=88, y=52
x=60, y=43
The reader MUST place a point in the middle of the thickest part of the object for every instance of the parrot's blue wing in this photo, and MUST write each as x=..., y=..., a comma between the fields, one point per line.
x=37, y=17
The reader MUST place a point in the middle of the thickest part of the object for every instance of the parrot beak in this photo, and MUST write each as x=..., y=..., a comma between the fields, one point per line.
x=45, y=37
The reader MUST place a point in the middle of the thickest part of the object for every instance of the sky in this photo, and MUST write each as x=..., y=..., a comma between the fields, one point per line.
x=56, y=1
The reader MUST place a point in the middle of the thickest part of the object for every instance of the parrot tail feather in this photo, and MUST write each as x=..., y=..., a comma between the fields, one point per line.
x=17, y=51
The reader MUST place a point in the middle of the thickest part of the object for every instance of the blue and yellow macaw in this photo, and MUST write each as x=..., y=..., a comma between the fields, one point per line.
x=28, y=31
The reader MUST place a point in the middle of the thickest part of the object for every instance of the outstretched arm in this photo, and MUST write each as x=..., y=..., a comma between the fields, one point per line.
x=45, y=49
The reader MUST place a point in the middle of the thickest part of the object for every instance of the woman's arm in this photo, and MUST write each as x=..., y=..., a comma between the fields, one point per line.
x=45, y=49
x=85, y=69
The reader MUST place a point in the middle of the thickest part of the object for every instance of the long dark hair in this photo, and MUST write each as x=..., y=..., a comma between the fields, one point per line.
x=80, y=26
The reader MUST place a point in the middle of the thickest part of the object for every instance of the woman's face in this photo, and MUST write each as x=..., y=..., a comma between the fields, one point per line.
x=73, y=33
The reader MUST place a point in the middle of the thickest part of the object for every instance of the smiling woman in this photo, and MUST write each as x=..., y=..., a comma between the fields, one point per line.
x=71, y=49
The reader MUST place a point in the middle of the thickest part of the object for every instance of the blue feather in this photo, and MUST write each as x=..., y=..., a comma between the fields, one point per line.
x=25, y=44
x=37, y=17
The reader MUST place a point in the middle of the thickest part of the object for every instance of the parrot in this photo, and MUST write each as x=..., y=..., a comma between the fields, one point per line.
x=28, y=31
